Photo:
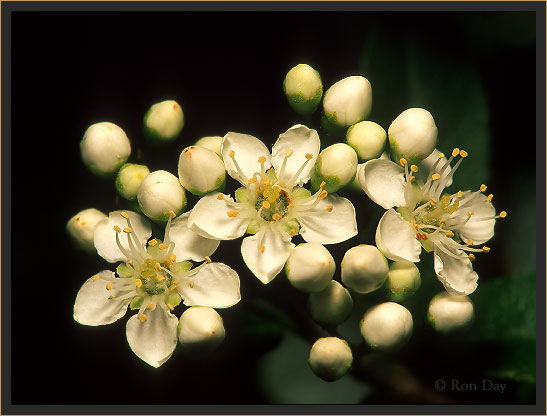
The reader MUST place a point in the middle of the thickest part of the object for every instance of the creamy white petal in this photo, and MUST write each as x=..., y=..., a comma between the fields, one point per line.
x=266, y=265
x=330, y=227
x=188, y=244
x=456, y=274
x=247, y=150
x=383, y=182
x=426, y=165
x=92, y=306
x=480, y=231
x=300, y=140
x=210, y=219
x=105, y=236
x=396, y=238
x=155, y=340
x=215, y=285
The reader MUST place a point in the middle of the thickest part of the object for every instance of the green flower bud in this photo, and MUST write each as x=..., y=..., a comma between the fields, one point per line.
x=449, y=313
x=330, y=358
x=163, y=122
x=310, y=267
x=386, y=326
x=303, y=89
x=331, y=306
x=161, y=192
x=412, y=135
x=129, y=179
x=104, y=148
x=348, y=101
x=212, y=143
x=82, y=226
x=201, y=170
x=364, y=268
x=200, y=329
x=368, y=139
x=403, y=280
x=336, y=166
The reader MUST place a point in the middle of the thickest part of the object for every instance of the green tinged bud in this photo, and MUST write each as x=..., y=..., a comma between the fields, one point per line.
x=123, y=270
x=81, y=227
x=201, y=170
x=449, y=313
x=348, y=101
x=161, y=192
x=310, y=267
x=200, y=329
x=364, y=268
x=336, y=166
x=386, y=326
x=368, y=139
x=331, y=306
x=403, y=280
x=129, y=179
x=330, y=358
x=164, y=121
x=303, y=88
x=213, y=143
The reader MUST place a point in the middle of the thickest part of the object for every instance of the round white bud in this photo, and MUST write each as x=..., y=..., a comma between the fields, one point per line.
x=403, y=280
x=330, y=358
x=212, y=143
x=364, y=268
x=386, y=326
x=201, y=329
x=331, y=306
x=448, y=313
x=303, y=88
x=104, y=148
x=163, y=121
x=201, y=170
x=159, y=193
x=82, y=226
x=336, y=166
x=129, y=179
x=310, y=267
x=348, y=101
x=412, y=135
x=368, y=139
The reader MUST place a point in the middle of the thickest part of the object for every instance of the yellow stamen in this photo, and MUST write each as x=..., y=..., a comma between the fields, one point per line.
x=233, y=213
x=463, y=153
x=252, y=180
x=440, y=155
x=208, y=259
x=266, y=204
x=261, y=248
x=173, y=258
x=309, y=156
x=490, y=197
x=449, y=234
x=191, y=284
x=138, y=282
x=127, y=230
x=172, y=214
x=469, y=213
x=435, y=176
x=162, y=246
x=157, y=266
x=329, y=208
x=124, y=214
x=412, y=178
x=150, y=306
x=288, y=153
x=265, y=181
x=483, y=187
x=142, y=317
x=261, y=159
x=471, y=256
x=160, y=277
x=109, y=286
x=323, y=194
x=290, y=206
x=433, y=200
x=414, y=168
x=403, y=161
x=485, y=249
x=323, y=183
x=117, y=229
x=232, y=154
x=170, y=306
x=503, y=214
x=460, y=194
x=173, y=286
x=96, y=277
x=220, y=197
x=153, y=242
x=455, y=152
x=276, y=217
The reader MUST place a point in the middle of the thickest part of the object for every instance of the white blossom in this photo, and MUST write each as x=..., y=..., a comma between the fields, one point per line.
x=164, y=121
x=201, y=170
x=348, y=101
x=386, y=326
x=412, y=135
x=104, y=148
x=310, y=267
x=330, y=358
x=159, y=193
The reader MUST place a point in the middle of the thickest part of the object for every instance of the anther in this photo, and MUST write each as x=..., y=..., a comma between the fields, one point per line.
x=435, y=176
x=160, y=277
x=403, y=161
x=170, y=307
x=470, y=242
x=288, y=153
x=276, y=217
x=486, y=249
x=124, y=214
x=150, y=306
x=96, y=277
x=162, y=246
x=503, y=214
x=153, y=242
x=471, y=256
x=117, y=229
x=290, y=206
x=261, y=159
x=309, y=156
x=172, y=214
x=323, y=194
x=220, y=197
x=252, y=180
x=208, y=259
x=109, y=286
x=418, y=236
x=232, y=214
x=412, y=178
x=442, y=221
x=142, y=317
x=469, y=213
x=266, y=204
x=455, y=152
x=483, y=187
x=157, y=266
x=329, y=208
x=265, y=181
x=414, y=168
x=449, y=234
x=232, y=154
x=463, y=153
x=138, y=282
x=323, y=183
x=460, y=194
x=490, y=197
x=173, y=258
x=433, y=200
x=261, y=248
x=191, y=284
x=440, y=155
x=127, y=230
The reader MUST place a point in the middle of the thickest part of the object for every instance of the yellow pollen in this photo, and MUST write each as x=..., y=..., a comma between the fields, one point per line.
x=191, y=284
x=261, y=248
x=142, y=317
x=233, y=213
x=117, y=229
x=173, y=287
x=323, y=183
x=232, y=154
x=309, y=156
x=470, y=242
x=150, y=306
x=483, y=187
x=503, y=214
x=412, y=178
x=265, y=181
x=208, y=259
x=449, y=234
x=469, y=213
x=403, y=161
x=172, y=214
x=471, y=256
x=252, y=180
x=261, y=159
x=440, y=155
x=109, y=286
x=442, y=221
x=490, y=197
x=220, y=197
x=414, y=168
x=138, y=282
x=162, y=246
x=170, y=306
x=323, y=194
x=460, y=194
x=455, y=152
x=276, y=217
x=124, y=214
x=434, y=200
x=290, y=206
x=272, y=222
x=127, y=230
x=485, y=249
x=153, y=242
x=288, y=153
x=463, y=153
x=266, y=204
x=329, y=208
x=157, y=266
x=173, y=258
x=96, y=277
x=435, y=176
x=160, y=277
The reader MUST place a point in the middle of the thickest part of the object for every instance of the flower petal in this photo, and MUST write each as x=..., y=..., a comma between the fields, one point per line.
x=480, y=231
x=330, y=226
x=383, y=182
x=188, y=244
x=210, y=219
x=300, y=140
x=456, y=274
x=426, y=165
x=92, y=306
x=215, y=285
x=396, y=238
x=105, y=236
x=155, y=340
x=247, y=149
x=266, y=265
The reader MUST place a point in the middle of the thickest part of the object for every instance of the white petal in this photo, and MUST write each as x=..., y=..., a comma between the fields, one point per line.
x=155, y=340
x=210, y=219
x=247, y=150
x=105, y=236
x=188, y=244
x=426, y=165
x=300, y=140
x=475, y=229
x=330, y=227
x=266, y=265
x=383, y=182
x=456, y=275
x=92, y=306
x=396, y=238
x=215, y=285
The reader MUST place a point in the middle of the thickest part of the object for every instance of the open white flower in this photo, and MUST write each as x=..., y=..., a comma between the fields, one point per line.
x=272, y=204
x=153, y=278
x=426, y=216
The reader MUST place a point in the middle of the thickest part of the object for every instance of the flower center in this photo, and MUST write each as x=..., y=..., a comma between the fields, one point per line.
x=272, y=203
x=154, y=281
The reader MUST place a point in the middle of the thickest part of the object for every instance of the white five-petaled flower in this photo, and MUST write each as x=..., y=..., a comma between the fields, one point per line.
x=272, y=204
x=153, y=279
x=426, y=216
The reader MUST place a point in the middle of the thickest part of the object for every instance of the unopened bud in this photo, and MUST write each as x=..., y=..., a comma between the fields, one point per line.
x=331, y=306
x=330, y=358
x=336, y=166
x=129, y=179
x=348, y=101
x=448, y=313
x=201, y=170
x=200, y=329
x=310, y=267
x=82, y=226
x=104, y=148
x=412, y=135
x=403, y=280
x=212, y=143
x=386, y=326
x=364, y=268
x=303, y=89
x=368, y=139
x=163, y=121
x=161, y=192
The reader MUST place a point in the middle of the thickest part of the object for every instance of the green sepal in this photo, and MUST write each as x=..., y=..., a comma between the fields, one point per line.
x=332, y=183
x=136, y=303
x=181, y=266
x=427, y=245
x=173, y=299
x=270, y=173
x=292, y=227
x=253, y=227
x=302, y=105
x=124, y=271
x=242, y=194
x=300, y=193
x=220, y=185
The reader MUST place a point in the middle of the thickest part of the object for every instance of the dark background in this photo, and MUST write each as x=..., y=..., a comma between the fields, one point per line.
x=475, y=71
